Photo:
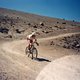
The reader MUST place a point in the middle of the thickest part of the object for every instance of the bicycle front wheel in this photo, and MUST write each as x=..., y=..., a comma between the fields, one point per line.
x=35, y=52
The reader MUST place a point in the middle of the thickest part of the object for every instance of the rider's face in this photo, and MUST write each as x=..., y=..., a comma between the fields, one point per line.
x=33, y=36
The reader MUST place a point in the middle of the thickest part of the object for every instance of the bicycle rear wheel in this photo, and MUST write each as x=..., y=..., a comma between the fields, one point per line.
x=26, y=50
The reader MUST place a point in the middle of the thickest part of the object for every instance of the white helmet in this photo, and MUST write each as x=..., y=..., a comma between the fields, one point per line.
x=34, y=33
x=29, y=36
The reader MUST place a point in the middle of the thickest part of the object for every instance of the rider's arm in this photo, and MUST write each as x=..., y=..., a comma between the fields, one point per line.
x=28, y=38
x=36, y=42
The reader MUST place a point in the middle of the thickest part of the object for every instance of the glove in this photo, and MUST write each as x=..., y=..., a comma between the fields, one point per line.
x=37, y=44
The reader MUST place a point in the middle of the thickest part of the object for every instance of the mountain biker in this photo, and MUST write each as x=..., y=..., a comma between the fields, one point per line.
x=31, y=40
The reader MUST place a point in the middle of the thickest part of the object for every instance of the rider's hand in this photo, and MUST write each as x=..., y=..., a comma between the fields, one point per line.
x=37, y=44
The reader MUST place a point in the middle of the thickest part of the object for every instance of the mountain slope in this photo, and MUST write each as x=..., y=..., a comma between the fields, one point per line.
x=16, y=24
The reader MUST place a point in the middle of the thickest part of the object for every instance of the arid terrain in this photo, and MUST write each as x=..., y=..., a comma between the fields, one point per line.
x=59, y=45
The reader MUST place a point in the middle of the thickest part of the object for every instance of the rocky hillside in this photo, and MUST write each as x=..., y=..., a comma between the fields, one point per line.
x=16, y=24
x=70, y=42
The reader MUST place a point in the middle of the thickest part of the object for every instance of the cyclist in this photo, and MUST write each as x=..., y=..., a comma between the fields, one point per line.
x=31, y=40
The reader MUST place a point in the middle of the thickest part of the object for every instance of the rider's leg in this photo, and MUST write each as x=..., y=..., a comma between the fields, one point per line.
x=28, y=47
x=31, y=50
x=32, y=55
x=31, y=45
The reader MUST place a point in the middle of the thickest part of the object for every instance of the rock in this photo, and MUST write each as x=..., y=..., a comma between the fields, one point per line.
x=4, y=30
x=64, y=23
x=29, y=23
x=52, y=43
x=35, y=26
x=20, y=30
x=64, y=46
x=41, y=23
x=17, y=30
x=8, y=36
x=78, y=46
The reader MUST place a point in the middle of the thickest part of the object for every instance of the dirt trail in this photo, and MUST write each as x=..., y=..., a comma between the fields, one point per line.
x=18, y=66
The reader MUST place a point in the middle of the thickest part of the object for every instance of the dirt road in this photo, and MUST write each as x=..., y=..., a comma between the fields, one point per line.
x=15, y=65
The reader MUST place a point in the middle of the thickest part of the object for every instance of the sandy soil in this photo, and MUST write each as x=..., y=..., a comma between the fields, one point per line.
x=65, y=68
x=15, y=65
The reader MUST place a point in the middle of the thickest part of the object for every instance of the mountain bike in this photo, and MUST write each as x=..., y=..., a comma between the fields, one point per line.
x=33, y=51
